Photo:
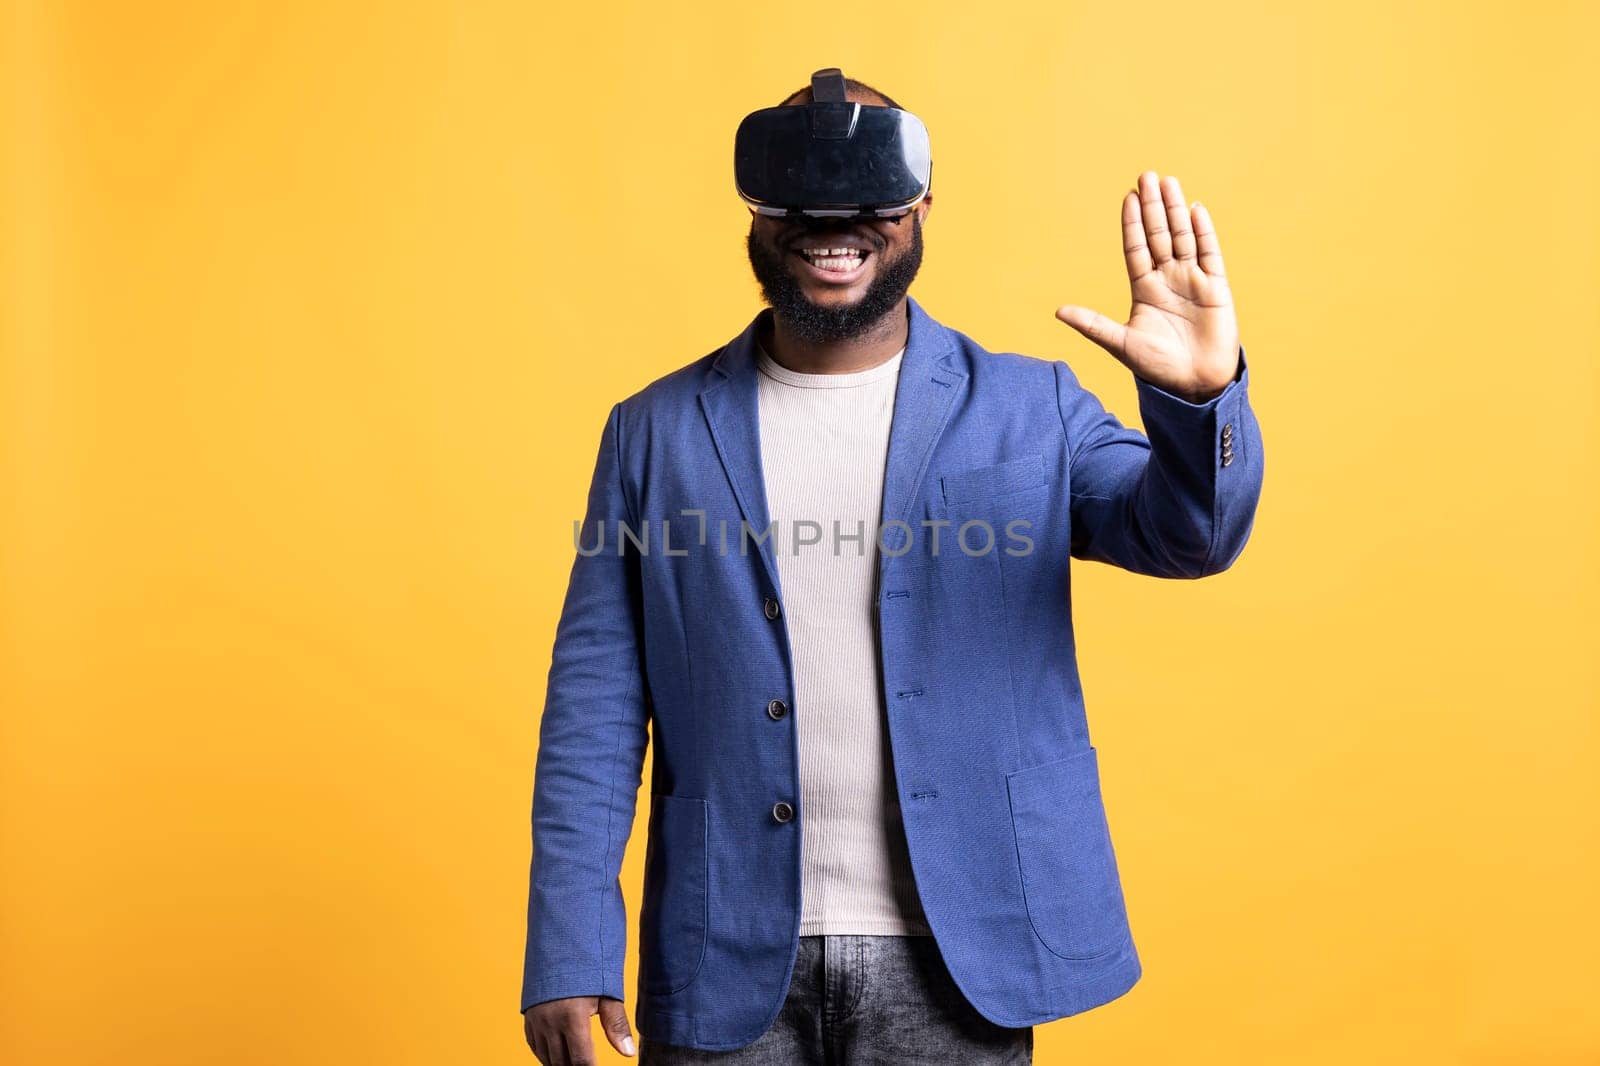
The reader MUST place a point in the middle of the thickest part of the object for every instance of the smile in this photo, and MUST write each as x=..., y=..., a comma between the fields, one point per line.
x=837, y=265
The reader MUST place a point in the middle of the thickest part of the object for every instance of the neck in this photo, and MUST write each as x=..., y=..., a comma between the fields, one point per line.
x=872, y=347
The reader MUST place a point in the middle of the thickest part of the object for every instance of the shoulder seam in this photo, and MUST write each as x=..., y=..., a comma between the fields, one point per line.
x=1060, y=414
x=616, y=458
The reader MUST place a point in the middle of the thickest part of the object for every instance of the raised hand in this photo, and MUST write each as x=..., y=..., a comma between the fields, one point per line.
x=1181, y=334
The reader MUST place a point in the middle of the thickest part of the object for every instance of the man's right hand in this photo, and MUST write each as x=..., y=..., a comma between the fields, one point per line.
x=558, y=1029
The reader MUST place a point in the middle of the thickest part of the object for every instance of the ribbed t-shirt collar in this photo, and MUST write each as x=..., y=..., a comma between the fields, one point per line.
x=778, y=372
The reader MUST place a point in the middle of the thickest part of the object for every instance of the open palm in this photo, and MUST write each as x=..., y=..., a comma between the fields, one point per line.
x=1181, y=334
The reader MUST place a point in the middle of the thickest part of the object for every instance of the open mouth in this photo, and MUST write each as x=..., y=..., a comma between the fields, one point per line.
x=836, y=264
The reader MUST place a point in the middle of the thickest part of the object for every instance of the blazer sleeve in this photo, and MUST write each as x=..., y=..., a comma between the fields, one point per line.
x=592, y=741
x=1179, y=503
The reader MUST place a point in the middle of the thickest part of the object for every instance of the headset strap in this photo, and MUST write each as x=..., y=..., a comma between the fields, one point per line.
x=827, y=86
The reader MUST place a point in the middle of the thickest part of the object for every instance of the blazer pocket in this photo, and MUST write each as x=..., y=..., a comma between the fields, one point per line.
x=997, y=479
x=1070, y=884
x=672, y=912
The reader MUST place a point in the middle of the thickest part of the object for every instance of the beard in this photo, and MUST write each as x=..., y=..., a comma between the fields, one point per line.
x=816, y=324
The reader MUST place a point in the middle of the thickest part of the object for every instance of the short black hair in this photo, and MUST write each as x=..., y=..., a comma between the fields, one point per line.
x=850, y=84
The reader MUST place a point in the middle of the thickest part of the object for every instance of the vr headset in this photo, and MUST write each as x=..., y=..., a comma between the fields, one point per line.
x=831, y=157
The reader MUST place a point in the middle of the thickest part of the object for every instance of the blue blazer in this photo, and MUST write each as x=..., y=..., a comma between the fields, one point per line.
x=673, y=632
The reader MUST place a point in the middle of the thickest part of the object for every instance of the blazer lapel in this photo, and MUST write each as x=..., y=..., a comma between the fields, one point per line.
x=729, y=400
x=928, y=383
x=924, y=398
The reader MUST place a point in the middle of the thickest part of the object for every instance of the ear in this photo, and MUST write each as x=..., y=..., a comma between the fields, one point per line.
x=926, y=205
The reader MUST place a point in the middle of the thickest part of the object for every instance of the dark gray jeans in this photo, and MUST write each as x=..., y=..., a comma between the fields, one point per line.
x=860, y=1000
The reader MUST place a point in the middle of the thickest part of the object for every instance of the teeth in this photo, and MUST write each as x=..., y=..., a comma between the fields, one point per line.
x=832, y=253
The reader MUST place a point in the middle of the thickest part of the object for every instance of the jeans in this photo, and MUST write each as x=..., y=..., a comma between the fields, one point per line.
x=862, y=1000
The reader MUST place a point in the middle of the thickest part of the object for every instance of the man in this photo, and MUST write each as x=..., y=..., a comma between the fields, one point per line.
x=824, y=571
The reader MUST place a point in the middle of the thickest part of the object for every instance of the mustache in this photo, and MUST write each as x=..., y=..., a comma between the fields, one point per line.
x=796, y=233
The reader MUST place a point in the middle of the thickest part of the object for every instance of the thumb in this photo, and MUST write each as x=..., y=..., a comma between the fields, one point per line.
x=614, y=1020
x=1108, y=334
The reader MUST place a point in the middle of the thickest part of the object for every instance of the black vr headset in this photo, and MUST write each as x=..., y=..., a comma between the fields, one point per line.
x=832, y=158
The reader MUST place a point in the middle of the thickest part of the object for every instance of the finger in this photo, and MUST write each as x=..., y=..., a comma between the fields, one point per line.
x=1206, y=241
x=1178, y=219
x=614, y=1019
x=1156, y=233
x=577, y=1042
x=1134, y=248
x=539, y=1040
x=1107, y=333
x=581, y=1042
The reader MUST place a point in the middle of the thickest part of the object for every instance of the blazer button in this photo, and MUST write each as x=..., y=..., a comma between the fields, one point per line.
x=1227, y=457
x=776, y=709
x=1227, y=431
x=782, y=812
x=770, y=608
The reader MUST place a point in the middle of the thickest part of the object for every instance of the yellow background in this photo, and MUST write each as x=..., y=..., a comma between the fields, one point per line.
x=313, y=313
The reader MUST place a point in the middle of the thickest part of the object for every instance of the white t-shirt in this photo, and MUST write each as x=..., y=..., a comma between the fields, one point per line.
x=824, y=445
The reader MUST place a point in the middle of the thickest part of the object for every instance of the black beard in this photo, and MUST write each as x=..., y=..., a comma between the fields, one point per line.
x=824, y=325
